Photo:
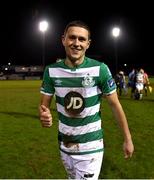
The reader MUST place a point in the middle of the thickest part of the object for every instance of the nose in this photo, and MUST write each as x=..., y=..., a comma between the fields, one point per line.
x=76, y=42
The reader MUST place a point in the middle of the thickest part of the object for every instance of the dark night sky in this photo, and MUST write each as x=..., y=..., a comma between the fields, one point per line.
x=21, y=40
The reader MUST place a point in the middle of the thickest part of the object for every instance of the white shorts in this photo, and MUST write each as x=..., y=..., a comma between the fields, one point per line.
x=86, y=166
x=139, y=86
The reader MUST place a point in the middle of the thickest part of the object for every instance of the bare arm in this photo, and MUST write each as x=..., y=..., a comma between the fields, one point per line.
x=121, y=118
x=44, y=111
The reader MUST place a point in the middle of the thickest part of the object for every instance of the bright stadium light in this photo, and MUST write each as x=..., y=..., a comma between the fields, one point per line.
x=116, y=34
x=43, y=27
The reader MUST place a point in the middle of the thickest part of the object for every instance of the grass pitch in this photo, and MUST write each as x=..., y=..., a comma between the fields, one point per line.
x=28, y=151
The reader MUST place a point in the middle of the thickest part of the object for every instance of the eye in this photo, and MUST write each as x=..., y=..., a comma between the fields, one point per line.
x=72, y=37
x=82, y=39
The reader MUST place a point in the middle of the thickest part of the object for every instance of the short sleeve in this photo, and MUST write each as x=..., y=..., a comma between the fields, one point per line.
x=108, y=85
x=47, y=86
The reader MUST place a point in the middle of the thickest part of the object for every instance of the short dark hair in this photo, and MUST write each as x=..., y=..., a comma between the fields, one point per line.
x=78, y=23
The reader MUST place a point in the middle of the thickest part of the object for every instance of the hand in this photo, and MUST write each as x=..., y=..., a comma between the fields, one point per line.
x=45, y=116
x=128, y=148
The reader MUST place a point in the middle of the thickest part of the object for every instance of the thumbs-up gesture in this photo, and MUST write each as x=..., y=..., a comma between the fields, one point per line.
x=45, y=116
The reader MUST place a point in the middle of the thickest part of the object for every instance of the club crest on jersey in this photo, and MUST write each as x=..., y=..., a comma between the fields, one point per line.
x=74, y=103
x=88, y=81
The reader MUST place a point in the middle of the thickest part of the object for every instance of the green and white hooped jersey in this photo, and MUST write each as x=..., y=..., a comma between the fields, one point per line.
x=78, y=94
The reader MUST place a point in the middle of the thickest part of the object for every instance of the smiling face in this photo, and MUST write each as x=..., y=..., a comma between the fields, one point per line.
x=76, y=41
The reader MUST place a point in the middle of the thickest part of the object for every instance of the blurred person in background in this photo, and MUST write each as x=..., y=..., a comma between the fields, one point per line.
x=146, y=81
x=120, y=80
x=139, y=85
x=132, y=81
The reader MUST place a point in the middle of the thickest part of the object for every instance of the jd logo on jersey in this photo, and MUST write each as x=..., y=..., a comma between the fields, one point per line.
x=74, y=103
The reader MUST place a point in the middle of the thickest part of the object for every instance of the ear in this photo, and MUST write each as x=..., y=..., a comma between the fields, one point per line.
x=63, y=40
x=89, y=42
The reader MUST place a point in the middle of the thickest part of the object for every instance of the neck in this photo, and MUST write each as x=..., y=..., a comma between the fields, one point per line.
x=74, y=63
